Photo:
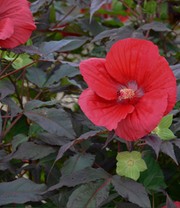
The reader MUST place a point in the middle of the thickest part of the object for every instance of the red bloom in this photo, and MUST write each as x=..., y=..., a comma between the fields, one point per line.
x=16, y=23
x=177, y=203
x=129, y=91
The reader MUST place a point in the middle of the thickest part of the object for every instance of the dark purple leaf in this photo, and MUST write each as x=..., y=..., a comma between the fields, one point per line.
x=20, y=191
x=169, y=202
x=67, y=146
x=80, y=177
x=63, y=45
x=32, y=50
x=176, y=70
x=168, y=149
x=131, y=190
x=176, y=142
x=37, y=76
x=89, y=195
x=154, y=142
x=97, y=4
x=77, y=162
x=32, y=151
x=110, y=137
x=156, y=26
x=6, y=88
x=55, y=121
x=13, y=107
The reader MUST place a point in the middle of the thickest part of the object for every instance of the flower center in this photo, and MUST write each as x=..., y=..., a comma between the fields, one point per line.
x=130, y=162
x=126, y=93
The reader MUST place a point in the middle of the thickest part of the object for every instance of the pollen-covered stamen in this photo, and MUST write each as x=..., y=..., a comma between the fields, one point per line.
x=125, y=93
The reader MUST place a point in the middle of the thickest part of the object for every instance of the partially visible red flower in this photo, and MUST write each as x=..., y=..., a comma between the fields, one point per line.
x=177, y=203
x=16, y=23
x=130, y=90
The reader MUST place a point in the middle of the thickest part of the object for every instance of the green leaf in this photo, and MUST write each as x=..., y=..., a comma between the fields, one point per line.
x=20, y=191
x=152, y=178
x=131, y=190
x=166, y=121
x=89, y=195
x=150, y=6
x=166, y=134
x=130, y=164
x=77, y=162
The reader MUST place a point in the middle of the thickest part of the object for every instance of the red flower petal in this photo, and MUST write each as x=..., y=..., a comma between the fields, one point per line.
x=146, y=116
x=132, y=59
x=6, y=28
x=103, y=112
x=23, y=25
x=97, y=78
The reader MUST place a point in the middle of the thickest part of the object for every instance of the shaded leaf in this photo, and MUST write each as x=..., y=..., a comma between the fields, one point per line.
x=6, y=88
x=37, y=76
x=176, y=70
x=79, y=177
x=55, y=121
x=126, y=205
x=17, y=140
x=168, y=149
x=154, y=142
x=104, y=34
x=131, y=190
x=32, y=151
x=77, y=162
x=152, y=178
x=20, y=191
x=89, y=195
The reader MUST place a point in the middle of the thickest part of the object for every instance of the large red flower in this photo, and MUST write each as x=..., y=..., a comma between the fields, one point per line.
x=16, y=23
x=130, y=90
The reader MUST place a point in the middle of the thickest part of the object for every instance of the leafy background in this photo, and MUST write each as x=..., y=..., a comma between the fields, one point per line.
x=51, y=155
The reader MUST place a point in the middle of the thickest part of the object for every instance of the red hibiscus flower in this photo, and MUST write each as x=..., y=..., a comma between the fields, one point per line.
x=177, y=203
x=16, y=23
x=130, y=90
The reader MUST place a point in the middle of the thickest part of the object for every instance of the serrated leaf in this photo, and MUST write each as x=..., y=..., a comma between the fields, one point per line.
x=80, y=177
x=89, y=195
x=32, y=151
x=77, y=162
x=131, y=190
x=130, y=164
x=55, y=121
x=20, y=191
x=152, y=178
